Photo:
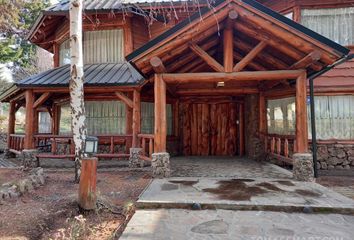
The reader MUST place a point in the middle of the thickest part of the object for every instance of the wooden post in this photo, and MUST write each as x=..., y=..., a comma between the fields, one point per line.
x=87, y=187
x=29, y=128
x=136, y=118
x=301, y=114
x=12, y=120
x=160, y=114
x=228, y=42
x=56, y=53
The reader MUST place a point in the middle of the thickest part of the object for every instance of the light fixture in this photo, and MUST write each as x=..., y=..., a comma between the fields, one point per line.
x=220, y=84
x=91, y=145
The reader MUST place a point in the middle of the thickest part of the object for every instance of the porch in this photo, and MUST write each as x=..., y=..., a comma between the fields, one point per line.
x=208, y=82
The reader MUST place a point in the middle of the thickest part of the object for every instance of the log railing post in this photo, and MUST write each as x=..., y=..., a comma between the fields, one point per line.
x=136, y=118
x=301, y=114
x=12, y=119
x=29, y=128
x=160, y=114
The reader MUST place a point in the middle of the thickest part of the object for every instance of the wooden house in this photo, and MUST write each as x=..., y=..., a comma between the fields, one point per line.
x=189, y=79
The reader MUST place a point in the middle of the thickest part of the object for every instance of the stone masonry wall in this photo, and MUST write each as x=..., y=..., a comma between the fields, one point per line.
x=253, y=145
x=335, y=156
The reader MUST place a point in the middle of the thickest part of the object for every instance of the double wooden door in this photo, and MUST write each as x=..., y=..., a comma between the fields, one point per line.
x=210, y=129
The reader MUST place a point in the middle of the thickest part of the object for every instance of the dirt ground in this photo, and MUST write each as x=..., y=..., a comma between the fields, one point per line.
x=51, y=211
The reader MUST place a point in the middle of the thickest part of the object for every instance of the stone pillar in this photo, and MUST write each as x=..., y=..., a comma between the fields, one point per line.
x=160, y=164
x=29, y=159
x=134, y=159
x=303, y=167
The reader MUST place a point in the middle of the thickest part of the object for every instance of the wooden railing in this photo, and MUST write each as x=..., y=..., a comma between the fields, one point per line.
x=147, y=145
x=50, y=143
x=16, y=143
x=280, y=147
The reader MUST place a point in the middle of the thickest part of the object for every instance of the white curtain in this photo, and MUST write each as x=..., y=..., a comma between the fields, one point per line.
x=105, y=46
x=102, y=117
x=334, y=117
x=336, y=24
x=147, y=118
x=44, y=122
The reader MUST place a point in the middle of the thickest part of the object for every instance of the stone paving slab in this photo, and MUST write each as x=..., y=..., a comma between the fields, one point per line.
x=181, y=224
x=243, y=194
x=227, y=167
x=6, y=164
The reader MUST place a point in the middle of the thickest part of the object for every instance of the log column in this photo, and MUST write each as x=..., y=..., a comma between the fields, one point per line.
x=29, y=128
x=302, y=160
x=136, y=118
x=160, y=114
x=301, y=114
x=12, y=120
x=160, y=162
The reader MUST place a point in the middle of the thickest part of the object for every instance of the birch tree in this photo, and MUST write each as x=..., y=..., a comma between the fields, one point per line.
x=76, y=84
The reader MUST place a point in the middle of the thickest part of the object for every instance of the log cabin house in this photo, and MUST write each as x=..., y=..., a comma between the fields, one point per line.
x=230, y=78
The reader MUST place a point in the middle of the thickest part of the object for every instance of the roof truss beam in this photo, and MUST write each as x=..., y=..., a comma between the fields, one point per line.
x=206, y=57
x=250, y=56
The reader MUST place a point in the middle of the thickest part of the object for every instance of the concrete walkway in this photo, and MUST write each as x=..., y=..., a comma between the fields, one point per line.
x=273, y=206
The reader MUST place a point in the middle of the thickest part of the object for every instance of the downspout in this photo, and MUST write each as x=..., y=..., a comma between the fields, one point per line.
x=312, y=106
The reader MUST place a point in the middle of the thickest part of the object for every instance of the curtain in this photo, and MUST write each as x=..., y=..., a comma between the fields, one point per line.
x=334, y=117
x=336, y=24
x=44, y=122
x=102, y=117
x=147, y=118
x=105, y=46
x=64, y=53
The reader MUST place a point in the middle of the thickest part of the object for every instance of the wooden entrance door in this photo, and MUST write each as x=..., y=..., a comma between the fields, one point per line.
x=210, y=129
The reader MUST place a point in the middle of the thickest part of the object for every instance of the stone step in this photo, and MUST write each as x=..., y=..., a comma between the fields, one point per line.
x=243, y=194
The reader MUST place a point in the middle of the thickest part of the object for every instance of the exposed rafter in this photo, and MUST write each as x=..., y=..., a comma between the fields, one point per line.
x=307, y=61
x=206, y=57
x=41, y=100
x=124, y=98
x=250, y=56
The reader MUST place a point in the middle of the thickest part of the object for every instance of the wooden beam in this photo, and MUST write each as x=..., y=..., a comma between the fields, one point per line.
x=301, y=145
x=12, y=120
x=160, y=114
x=218, y=91
x=29, y=125
x=136, y=118
x=157, y=65
x=234, y=76
x=125, y=99
x=250, y=56
x=254, y=65
x=41, y=100
x=206, y=57
x=307, y=61
x=129, y=117
x=228, y=42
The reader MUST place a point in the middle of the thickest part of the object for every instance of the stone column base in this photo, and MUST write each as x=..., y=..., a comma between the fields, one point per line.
x=29, y=159
x=134, y=159
x=160, y=164
x=8, y=154
x=303, y=167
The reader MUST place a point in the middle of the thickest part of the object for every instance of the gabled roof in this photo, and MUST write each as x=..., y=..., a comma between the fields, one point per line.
x=278, y=31
x=107, y=74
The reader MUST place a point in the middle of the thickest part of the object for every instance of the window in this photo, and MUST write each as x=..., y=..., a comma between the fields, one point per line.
x=336, y=24
x=281, y=116
x=102, y=117
x=64, y=53
x=44, y=122
x=147, y=118
x=334, y=117
x=106, y=46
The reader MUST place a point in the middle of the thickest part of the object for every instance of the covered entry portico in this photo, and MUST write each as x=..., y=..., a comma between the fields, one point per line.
x=241, y=54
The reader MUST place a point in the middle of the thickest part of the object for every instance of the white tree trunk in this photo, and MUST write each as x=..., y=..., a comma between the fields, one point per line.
x=77, y=84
